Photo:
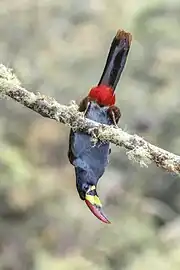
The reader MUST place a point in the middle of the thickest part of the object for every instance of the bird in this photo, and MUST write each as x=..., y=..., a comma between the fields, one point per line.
x=90, y=160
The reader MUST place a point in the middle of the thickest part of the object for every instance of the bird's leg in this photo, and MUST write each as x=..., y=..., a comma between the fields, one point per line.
x=83, y=106
x=114, y=114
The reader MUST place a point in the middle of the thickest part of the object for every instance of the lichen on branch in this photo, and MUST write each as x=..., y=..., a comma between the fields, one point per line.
x=136, y=147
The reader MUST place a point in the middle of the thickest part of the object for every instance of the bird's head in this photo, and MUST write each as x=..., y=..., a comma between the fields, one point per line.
x=103, y=95
x=87, y=192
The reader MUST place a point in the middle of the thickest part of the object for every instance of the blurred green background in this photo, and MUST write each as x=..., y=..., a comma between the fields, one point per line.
x=59, y=48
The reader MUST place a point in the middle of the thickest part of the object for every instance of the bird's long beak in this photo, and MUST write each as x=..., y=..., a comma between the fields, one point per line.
x=93, y=202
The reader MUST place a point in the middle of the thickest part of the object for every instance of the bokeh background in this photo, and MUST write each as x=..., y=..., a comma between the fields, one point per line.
x=59, y=49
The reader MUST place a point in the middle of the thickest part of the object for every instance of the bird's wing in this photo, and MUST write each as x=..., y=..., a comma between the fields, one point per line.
x=79, y=143
x=84, y=154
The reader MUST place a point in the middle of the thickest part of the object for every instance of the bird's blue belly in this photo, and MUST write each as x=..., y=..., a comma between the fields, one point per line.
x=90, y=155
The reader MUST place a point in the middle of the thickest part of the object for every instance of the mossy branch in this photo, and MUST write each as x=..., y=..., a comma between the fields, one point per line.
x=137, y=148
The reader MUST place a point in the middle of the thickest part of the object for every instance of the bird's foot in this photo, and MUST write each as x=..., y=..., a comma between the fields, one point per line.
x=84, y=104
x=114, y=114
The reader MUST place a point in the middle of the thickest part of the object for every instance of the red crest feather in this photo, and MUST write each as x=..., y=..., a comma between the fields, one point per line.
x=103, y=95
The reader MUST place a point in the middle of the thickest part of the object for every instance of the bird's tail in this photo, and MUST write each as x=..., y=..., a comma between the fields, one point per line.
x=116, y=59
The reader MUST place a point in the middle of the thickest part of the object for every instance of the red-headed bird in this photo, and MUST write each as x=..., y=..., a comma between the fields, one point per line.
x=88, y=159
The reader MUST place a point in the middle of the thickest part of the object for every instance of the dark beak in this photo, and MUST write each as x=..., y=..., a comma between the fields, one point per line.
x=93, y=202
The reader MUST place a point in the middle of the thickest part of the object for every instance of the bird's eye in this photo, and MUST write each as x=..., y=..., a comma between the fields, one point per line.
x=85, y=187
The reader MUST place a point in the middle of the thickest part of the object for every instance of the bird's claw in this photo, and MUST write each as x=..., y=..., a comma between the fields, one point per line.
x=114, y=120
x=114, y=114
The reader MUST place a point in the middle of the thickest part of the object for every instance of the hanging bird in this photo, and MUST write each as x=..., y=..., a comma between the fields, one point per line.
x=88, y=159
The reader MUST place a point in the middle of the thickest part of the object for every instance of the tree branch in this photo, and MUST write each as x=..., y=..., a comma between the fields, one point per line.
x=137, y=148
